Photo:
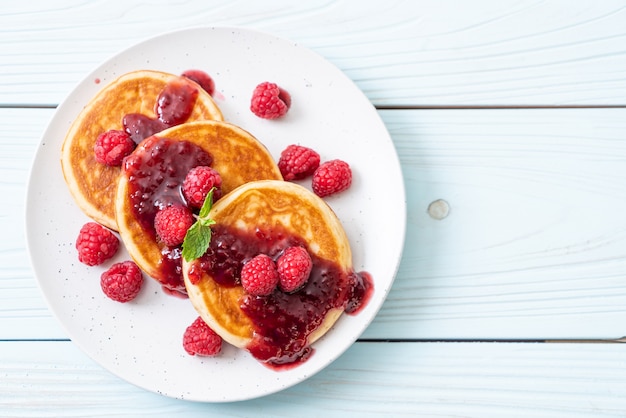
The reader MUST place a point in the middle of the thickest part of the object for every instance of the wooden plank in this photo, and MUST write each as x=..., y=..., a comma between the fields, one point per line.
x=23, y=312
x=370, y=379
x=416, y=53
x=532, y=247
x=533, y=243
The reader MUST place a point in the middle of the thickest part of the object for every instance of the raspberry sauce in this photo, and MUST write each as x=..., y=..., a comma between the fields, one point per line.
x=202, y=78
x=155, y=177
x=173, y=107
x=282, y=321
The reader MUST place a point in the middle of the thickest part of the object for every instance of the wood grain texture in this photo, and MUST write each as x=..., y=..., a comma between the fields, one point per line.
x=534, y=241
x=528, y=243
x=399, y=52
x=371, y=379
x=22, y=307
x=532, y=247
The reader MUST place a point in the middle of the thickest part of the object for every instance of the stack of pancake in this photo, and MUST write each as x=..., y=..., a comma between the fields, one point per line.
x=254, y=197
x=94, y=185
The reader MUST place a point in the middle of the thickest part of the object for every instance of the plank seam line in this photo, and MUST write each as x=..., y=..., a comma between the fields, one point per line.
x=413, y=340
x=400, y=107
x=496, y=340
x=494, y=107
x=28, y=106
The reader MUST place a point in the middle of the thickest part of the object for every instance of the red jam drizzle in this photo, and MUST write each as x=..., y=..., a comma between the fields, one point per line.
x=173, y=107
x=155, y=178
x=282, y=321
x=202, y=78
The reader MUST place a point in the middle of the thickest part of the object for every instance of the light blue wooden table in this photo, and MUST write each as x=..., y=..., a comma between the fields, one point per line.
x=513, y=112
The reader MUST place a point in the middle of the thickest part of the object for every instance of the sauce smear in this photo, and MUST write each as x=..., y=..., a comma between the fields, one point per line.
x=173, y=107
x=155, y=177
x=283, y=321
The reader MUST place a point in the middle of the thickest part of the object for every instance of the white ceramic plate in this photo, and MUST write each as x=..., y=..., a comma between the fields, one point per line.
x=141, y=341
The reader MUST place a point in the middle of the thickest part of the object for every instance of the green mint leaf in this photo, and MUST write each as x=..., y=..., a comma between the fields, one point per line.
x=207, y=205
x=196, y=242
x=198, y=237
x=206, y=221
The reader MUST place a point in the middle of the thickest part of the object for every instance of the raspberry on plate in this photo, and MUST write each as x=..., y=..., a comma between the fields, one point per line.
x=297, y=162
x=294, y=266
x=269, y=101
x=331, y=177
x=112, y=146
x=259, y=276
x=199, y=182
x=202, y=78
x=122, y=282
x=171, y=224
x=199, y=339
x=95, y=244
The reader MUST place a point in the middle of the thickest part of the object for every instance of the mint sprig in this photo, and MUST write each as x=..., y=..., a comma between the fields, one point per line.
x=198, y=237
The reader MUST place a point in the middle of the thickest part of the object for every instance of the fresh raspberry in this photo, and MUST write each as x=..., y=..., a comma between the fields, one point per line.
x=172, y=223
x=122, y=282
x=112, y=146
x=297, y=162
x=199, y=339
x=259, y=276
x=294, y=266
x=95, y=244
x=199, y=182
x=269, y=101
x=202, y=78
x=331, y=177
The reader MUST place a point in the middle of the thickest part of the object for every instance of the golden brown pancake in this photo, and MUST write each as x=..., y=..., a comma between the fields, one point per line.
x=266, y=217
x=234, y=153
x=93, y=184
